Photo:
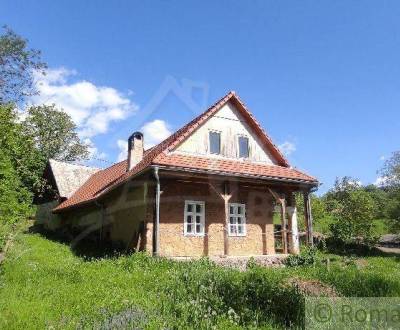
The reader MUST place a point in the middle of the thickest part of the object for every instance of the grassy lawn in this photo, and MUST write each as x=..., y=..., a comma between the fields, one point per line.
x=44, y=285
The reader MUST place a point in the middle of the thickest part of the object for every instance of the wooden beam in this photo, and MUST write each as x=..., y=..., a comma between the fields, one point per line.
x=295, y=186
x=282, y=202
x=226, y=196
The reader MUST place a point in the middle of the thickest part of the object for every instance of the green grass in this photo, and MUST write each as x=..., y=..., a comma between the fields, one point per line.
x=43, y=284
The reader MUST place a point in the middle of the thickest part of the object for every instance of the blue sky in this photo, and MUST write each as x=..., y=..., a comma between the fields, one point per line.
x=322, y=77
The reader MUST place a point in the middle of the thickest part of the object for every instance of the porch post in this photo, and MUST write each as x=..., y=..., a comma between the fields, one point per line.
x=284, y=226
x=282, y=201
x=308, y=217
x=226, y=196
x=294, y=231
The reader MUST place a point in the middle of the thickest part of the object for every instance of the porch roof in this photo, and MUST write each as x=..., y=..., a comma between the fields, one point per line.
x=233, y=168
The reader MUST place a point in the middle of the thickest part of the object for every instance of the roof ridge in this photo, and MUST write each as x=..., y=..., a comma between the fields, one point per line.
x=70, y=163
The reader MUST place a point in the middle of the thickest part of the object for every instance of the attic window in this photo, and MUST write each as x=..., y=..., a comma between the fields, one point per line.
x=243, y=147
x=215, y=142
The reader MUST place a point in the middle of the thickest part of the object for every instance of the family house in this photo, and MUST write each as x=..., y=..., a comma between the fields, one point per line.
x=210, y=189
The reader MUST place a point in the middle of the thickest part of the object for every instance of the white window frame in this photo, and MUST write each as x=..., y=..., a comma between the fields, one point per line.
x=194, y=214
x=238, y=146
x=209, y=141
x=236, y=215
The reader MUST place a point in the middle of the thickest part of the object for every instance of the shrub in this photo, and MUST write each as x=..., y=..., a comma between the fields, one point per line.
x=308, y=256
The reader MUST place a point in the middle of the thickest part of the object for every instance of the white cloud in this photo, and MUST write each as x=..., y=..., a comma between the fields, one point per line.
x=381, y=181
x=287, y=148
x=123, y=150
x=382, y=158
x=154, y=132
x=91, y=107
x=94, y=153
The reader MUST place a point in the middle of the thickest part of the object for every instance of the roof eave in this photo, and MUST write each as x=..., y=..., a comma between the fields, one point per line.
x=100, y=194
x=240, y=175
x=73, y=206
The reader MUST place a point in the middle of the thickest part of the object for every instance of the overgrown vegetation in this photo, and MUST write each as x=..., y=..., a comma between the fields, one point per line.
x=350, y=213
x=308, y=256
x=15, y=197
x=43, y=284
x=29, y=137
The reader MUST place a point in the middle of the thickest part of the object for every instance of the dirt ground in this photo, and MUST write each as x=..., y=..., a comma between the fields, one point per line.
x=389, y=250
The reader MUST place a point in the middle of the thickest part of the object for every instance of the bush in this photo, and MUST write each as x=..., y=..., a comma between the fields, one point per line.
x=308, y=256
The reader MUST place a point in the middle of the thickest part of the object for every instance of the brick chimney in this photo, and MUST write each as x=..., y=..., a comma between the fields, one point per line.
x=135, y=149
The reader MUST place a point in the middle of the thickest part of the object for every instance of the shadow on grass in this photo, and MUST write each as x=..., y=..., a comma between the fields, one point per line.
x=88, y=248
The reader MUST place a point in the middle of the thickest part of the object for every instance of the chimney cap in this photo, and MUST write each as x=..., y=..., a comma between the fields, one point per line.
x=136, y=135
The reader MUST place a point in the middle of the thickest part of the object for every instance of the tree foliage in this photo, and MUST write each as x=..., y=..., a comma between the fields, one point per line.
x=15, y=196
x=391, y=170
x=54, y=134
x=25, y=158
x=391, y=173
x=320, y=215
x=18, y=64
x=354, y=210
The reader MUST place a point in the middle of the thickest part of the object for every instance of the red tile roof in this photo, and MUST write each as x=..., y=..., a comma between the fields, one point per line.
x=105, y=180
x=228, y=166
x=94, y=185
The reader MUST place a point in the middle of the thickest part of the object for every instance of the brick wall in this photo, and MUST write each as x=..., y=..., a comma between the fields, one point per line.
x=259, y=224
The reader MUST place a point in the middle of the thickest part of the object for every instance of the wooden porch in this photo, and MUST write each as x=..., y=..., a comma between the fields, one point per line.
x=283, y=195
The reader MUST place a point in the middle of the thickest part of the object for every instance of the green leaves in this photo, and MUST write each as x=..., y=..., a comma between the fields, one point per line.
x=18, y=64
x=54, y=134
x=391, y=170
x=354, y=210
x=15, y=198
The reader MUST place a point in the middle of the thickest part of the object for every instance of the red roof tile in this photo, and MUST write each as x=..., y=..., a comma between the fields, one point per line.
x=234, y=167
x=106, y=180
x=94, y=185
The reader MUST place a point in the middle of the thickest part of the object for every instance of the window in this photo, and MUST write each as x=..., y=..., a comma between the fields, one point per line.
x=215, y=142
x=237, y=219
x=243, y=147
x=194, y=218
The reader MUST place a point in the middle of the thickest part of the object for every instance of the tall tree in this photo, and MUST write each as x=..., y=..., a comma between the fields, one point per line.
x=18, y=64
x=391, y=173
x=391, y=170
x=54, y=134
